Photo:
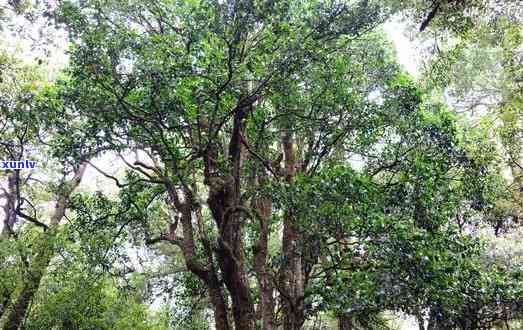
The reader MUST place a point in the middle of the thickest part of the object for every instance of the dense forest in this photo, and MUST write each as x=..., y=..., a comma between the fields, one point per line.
x=261, y=164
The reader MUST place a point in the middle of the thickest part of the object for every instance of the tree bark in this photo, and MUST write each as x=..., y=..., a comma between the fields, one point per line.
x=186, y=243
x=432, y=321
x=344, y=322
x=292, y=284
x=264, y=208
x=23, y=295
x=206, y=274
x=421, y=321
x=231, y=259
x=227, y=210
x=221, y=318
x=9, y=207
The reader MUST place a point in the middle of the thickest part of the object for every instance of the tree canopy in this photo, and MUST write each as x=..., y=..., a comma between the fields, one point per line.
x=272, y=167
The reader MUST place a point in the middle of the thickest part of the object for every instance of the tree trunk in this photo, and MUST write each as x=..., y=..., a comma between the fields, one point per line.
x=205, y=272
x=293, y=285
x=4, y=300
x=15, y=314
x=264, y=208
x=231, y=258
x=344, y=322
x=16, y=311
x=292, y=279
x=221, y=319
x=421, y=323
x=432, y=322
x=9, y=207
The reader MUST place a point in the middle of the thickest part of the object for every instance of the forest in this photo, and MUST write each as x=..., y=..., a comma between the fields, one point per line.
x=261, y=164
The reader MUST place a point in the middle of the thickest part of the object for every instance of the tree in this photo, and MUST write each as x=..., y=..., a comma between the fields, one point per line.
x=479, y=73
x=28, y=133
x=235, y=107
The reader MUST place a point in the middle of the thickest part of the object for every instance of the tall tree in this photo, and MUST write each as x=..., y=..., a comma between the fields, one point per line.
x=237, y=106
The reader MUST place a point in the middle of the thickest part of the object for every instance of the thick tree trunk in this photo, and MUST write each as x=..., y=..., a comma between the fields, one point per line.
x=221, y=315
x=231, y=258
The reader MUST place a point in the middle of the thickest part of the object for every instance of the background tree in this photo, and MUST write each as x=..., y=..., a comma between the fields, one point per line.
x=31, y=130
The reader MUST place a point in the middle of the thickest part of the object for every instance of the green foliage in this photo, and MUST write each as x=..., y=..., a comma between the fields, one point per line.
x=249, y=119
x=83, y=301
